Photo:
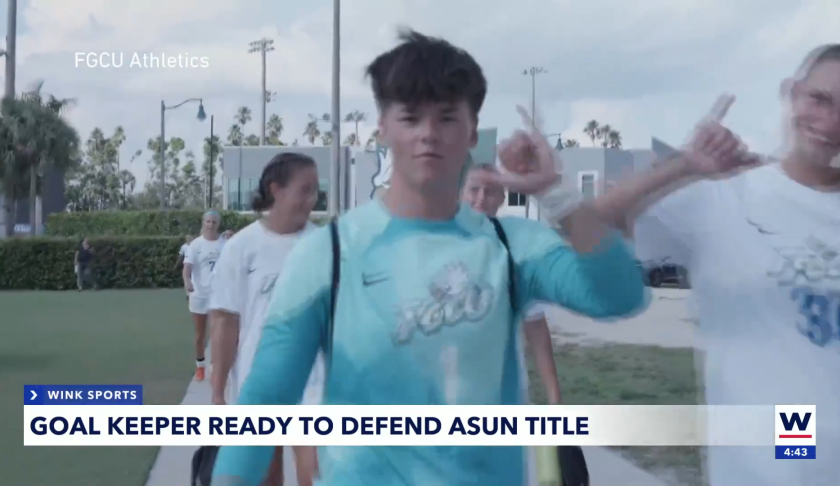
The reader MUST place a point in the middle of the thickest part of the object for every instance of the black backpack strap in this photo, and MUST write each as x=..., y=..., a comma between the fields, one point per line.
x=500, y=232
x=336, y=278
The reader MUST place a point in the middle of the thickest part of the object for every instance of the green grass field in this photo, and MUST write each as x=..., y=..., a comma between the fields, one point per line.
x=631, y=375
x=141, y=337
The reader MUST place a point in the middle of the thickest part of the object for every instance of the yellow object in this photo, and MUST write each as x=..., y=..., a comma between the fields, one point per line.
x=548, y=466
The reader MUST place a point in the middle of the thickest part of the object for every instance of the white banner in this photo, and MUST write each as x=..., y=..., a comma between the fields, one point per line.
x=461, y=425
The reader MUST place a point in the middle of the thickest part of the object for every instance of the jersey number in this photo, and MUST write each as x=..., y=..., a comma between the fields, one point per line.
x=212, y=265
x=819, y=314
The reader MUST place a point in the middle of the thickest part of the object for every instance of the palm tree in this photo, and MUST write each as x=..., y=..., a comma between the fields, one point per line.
x=127, y=179
x=311, y=131
x=12, y=171
x=356, y=117
x=117, y=140
x=274, y=127
x=243, y=116
x=326, y=139
x=591, y=130
x=371, y=143
x=614, y=139
x=235, y=135
x=603, y=134
x=571, y=143
x=47, y=138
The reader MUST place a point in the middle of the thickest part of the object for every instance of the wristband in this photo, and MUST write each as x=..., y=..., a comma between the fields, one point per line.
x=557, y=203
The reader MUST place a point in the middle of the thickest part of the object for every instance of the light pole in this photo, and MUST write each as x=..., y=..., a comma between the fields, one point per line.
x=336, y=111
x=162, y=149
x=262, y=46
x=533, y=72
x=212, y=163
x=11, y=48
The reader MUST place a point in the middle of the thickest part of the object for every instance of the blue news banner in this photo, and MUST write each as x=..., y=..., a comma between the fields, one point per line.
x=83, y=394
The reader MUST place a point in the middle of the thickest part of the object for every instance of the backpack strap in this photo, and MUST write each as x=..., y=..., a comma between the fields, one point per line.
x=500, y=232
x=336, y=278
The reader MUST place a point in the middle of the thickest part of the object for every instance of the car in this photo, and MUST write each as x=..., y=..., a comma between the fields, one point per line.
x=656, y=273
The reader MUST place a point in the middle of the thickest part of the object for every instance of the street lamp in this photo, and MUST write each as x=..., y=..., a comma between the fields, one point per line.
x=533, y=71
x=559, y=144
x=162, y=149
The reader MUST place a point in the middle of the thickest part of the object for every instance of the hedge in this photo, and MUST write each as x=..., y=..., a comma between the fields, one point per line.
x=141, y=223
x=121, y=262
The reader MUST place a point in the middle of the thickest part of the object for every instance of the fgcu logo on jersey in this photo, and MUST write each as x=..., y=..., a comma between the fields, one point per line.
x=796, y=425
x=382, y=177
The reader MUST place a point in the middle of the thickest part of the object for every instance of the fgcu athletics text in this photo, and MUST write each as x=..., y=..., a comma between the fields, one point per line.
x=796, y=436
x=140, y=60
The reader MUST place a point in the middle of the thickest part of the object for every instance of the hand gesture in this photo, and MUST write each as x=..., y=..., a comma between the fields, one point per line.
x=529, y=161
x=713, y=149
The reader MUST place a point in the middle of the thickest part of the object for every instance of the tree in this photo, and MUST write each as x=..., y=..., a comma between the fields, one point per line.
x=211, y=168
x=252, y=140
x=188, y=187
x=371, y=143
x=171, y=164
x=602, y=134
x=274, y=128
x=614, y=139
x=571, y=143
x=355, y=117
x=48, y=139
x=591, y=130
x=99, y=181
x=312, y=130
x=243, y=116
x=235, y=136
x=326, y=139
x=13, y=172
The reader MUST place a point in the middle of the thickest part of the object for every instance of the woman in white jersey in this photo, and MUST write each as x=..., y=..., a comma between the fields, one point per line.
x=242, y=289
x=182, y=254
x=198, y=273
x=763, y=250
x=487, y=198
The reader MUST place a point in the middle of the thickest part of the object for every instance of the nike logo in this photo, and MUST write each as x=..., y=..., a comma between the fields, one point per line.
x=251, y=270
x=373, y=279
x=760, y=228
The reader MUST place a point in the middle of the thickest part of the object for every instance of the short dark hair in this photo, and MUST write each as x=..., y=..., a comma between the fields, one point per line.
x=828, y=52
x=279, y=170
x=425, y=69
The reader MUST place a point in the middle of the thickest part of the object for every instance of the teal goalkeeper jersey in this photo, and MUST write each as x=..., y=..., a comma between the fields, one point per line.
x=423, y=317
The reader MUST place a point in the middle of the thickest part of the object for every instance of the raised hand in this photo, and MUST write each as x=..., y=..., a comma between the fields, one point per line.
x=529, y=161
x=713, y=149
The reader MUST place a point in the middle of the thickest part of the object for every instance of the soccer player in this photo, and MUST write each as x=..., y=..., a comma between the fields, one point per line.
x=245, y=277
x=423, y=312
x=487, y=198
x=182, y=254
x=198, y=273
x=762, y=248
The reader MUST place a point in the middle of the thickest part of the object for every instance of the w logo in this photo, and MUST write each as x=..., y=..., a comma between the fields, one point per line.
x=795, y=420
x=796, y=424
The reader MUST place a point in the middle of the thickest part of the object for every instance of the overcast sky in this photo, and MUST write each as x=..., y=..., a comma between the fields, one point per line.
x=649, y=67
